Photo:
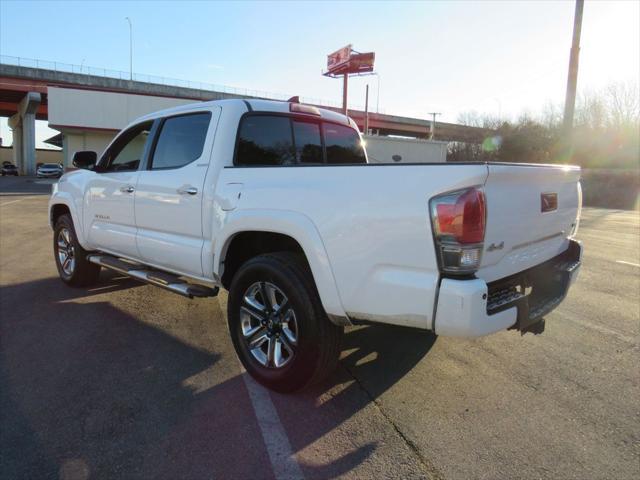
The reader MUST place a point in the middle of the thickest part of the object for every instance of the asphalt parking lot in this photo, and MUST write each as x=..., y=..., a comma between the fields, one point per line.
x=124, y=380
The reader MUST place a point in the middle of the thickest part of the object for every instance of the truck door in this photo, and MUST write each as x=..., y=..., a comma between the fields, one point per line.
x=108, y=214
x=169, y=194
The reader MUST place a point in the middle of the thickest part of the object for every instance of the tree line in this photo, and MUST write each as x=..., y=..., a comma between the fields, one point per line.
x=606, y=133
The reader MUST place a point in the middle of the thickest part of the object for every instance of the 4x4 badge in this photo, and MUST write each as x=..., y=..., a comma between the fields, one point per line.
x=493, y=247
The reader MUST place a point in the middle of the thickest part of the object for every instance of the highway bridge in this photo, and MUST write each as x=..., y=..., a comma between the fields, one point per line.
x=25, y=93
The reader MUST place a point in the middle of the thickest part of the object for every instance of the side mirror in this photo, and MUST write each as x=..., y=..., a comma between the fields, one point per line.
x=86, y=159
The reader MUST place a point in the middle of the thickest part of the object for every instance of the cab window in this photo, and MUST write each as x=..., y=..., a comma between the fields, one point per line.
x=265, y=140
x=180, y=141
x=126, y=152
x=272, y=140
x=343, y=144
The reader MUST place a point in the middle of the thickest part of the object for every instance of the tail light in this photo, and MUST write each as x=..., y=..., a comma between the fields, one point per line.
x=458, y=219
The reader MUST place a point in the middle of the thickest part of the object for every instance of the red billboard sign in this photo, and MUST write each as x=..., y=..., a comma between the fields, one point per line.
x=361, y=62
x=345, y=61
x=338, y=58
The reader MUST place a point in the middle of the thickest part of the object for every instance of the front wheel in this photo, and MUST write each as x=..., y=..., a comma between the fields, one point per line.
x=278, y=326
x=73, y=265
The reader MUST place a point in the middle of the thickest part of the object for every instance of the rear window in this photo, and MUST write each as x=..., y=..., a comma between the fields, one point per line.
x=271, y=140
x=308, y=142
x=343, y=144
x=265, y=140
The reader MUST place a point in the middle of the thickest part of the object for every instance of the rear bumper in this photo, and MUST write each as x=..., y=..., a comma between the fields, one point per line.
x=472, y=308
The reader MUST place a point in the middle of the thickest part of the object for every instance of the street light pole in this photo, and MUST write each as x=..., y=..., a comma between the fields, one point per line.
x=130, y=48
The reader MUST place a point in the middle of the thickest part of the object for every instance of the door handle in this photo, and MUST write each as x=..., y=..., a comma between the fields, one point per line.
x=187, y=190
x=127, y=189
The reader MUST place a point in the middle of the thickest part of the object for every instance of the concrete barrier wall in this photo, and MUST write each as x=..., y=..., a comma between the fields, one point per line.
x=42, y=155
x=611, y=188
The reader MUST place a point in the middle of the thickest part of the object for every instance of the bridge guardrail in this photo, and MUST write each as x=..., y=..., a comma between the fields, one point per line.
x=155, y=79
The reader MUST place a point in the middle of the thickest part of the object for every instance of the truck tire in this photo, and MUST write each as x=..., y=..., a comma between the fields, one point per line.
x=279, y=329
x=71, y=259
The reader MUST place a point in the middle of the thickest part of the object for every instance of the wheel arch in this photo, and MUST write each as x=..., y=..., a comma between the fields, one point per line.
x=278, y=231
x=56, y=211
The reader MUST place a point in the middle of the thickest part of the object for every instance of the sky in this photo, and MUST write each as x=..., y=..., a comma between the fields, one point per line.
x=496, y=57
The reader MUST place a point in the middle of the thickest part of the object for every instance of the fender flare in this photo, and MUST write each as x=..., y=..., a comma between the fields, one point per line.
x=297, y=226
x=65, y=198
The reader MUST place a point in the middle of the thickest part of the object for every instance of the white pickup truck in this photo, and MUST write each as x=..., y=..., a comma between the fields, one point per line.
x=275, y=202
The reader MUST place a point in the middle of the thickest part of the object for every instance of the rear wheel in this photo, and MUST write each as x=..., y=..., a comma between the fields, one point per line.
x=278, y=326
x=71, y=259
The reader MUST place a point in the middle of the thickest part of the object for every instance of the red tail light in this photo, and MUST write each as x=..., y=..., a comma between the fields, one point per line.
x=458, y=220
x=461, y=215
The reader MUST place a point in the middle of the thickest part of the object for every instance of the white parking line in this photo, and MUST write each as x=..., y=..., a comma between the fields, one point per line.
x=628, y=263
x=283, y=462
x=14, y=201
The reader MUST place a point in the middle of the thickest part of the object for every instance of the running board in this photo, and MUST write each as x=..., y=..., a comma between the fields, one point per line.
x=158, y=278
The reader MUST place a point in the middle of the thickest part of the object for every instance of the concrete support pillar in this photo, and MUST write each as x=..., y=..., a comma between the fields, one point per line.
x=29, y=143
x=15, y=124
x=23, y=125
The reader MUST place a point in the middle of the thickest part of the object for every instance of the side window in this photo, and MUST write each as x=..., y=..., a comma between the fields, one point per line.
x=126, y=152
x=265, y=140
x=180, y=141
x=306, y=136
x=343, y=144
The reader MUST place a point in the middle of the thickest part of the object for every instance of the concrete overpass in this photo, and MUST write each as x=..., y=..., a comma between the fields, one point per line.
x=25, y=93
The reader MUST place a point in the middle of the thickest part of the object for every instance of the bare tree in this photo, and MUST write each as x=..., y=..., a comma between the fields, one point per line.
x=623, y=102
x=606, y=134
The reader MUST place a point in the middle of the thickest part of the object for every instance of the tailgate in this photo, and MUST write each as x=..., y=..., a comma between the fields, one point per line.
x=531, y=212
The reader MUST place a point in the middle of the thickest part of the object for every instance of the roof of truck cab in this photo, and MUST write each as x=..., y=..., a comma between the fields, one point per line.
x=246, y=105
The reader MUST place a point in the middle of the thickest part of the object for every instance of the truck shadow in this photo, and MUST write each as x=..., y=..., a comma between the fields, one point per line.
x=374, y=359
x=90, y=391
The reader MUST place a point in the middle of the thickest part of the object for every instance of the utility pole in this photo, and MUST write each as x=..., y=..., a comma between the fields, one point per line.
x=572, y=79
x=433, y=124
x=366, y=111
x=345, y=87
x=130, y=48
x=378, y=94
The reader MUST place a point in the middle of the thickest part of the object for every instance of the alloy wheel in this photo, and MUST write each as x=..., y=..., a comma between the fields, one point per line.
x=66, y=251
x=269, y=325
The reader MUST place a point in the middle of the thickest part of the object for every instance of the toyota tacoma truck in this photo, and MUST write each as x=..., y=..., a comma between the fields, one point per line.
x=276, y=203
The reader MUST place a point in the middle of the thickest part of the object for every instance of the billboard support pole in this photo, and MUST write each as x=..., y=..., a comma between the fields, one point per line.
x=345, y=87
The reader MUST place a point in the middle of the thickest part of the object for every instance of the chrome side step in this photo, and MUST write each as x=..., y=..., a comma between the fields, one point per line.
x=158, y=278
